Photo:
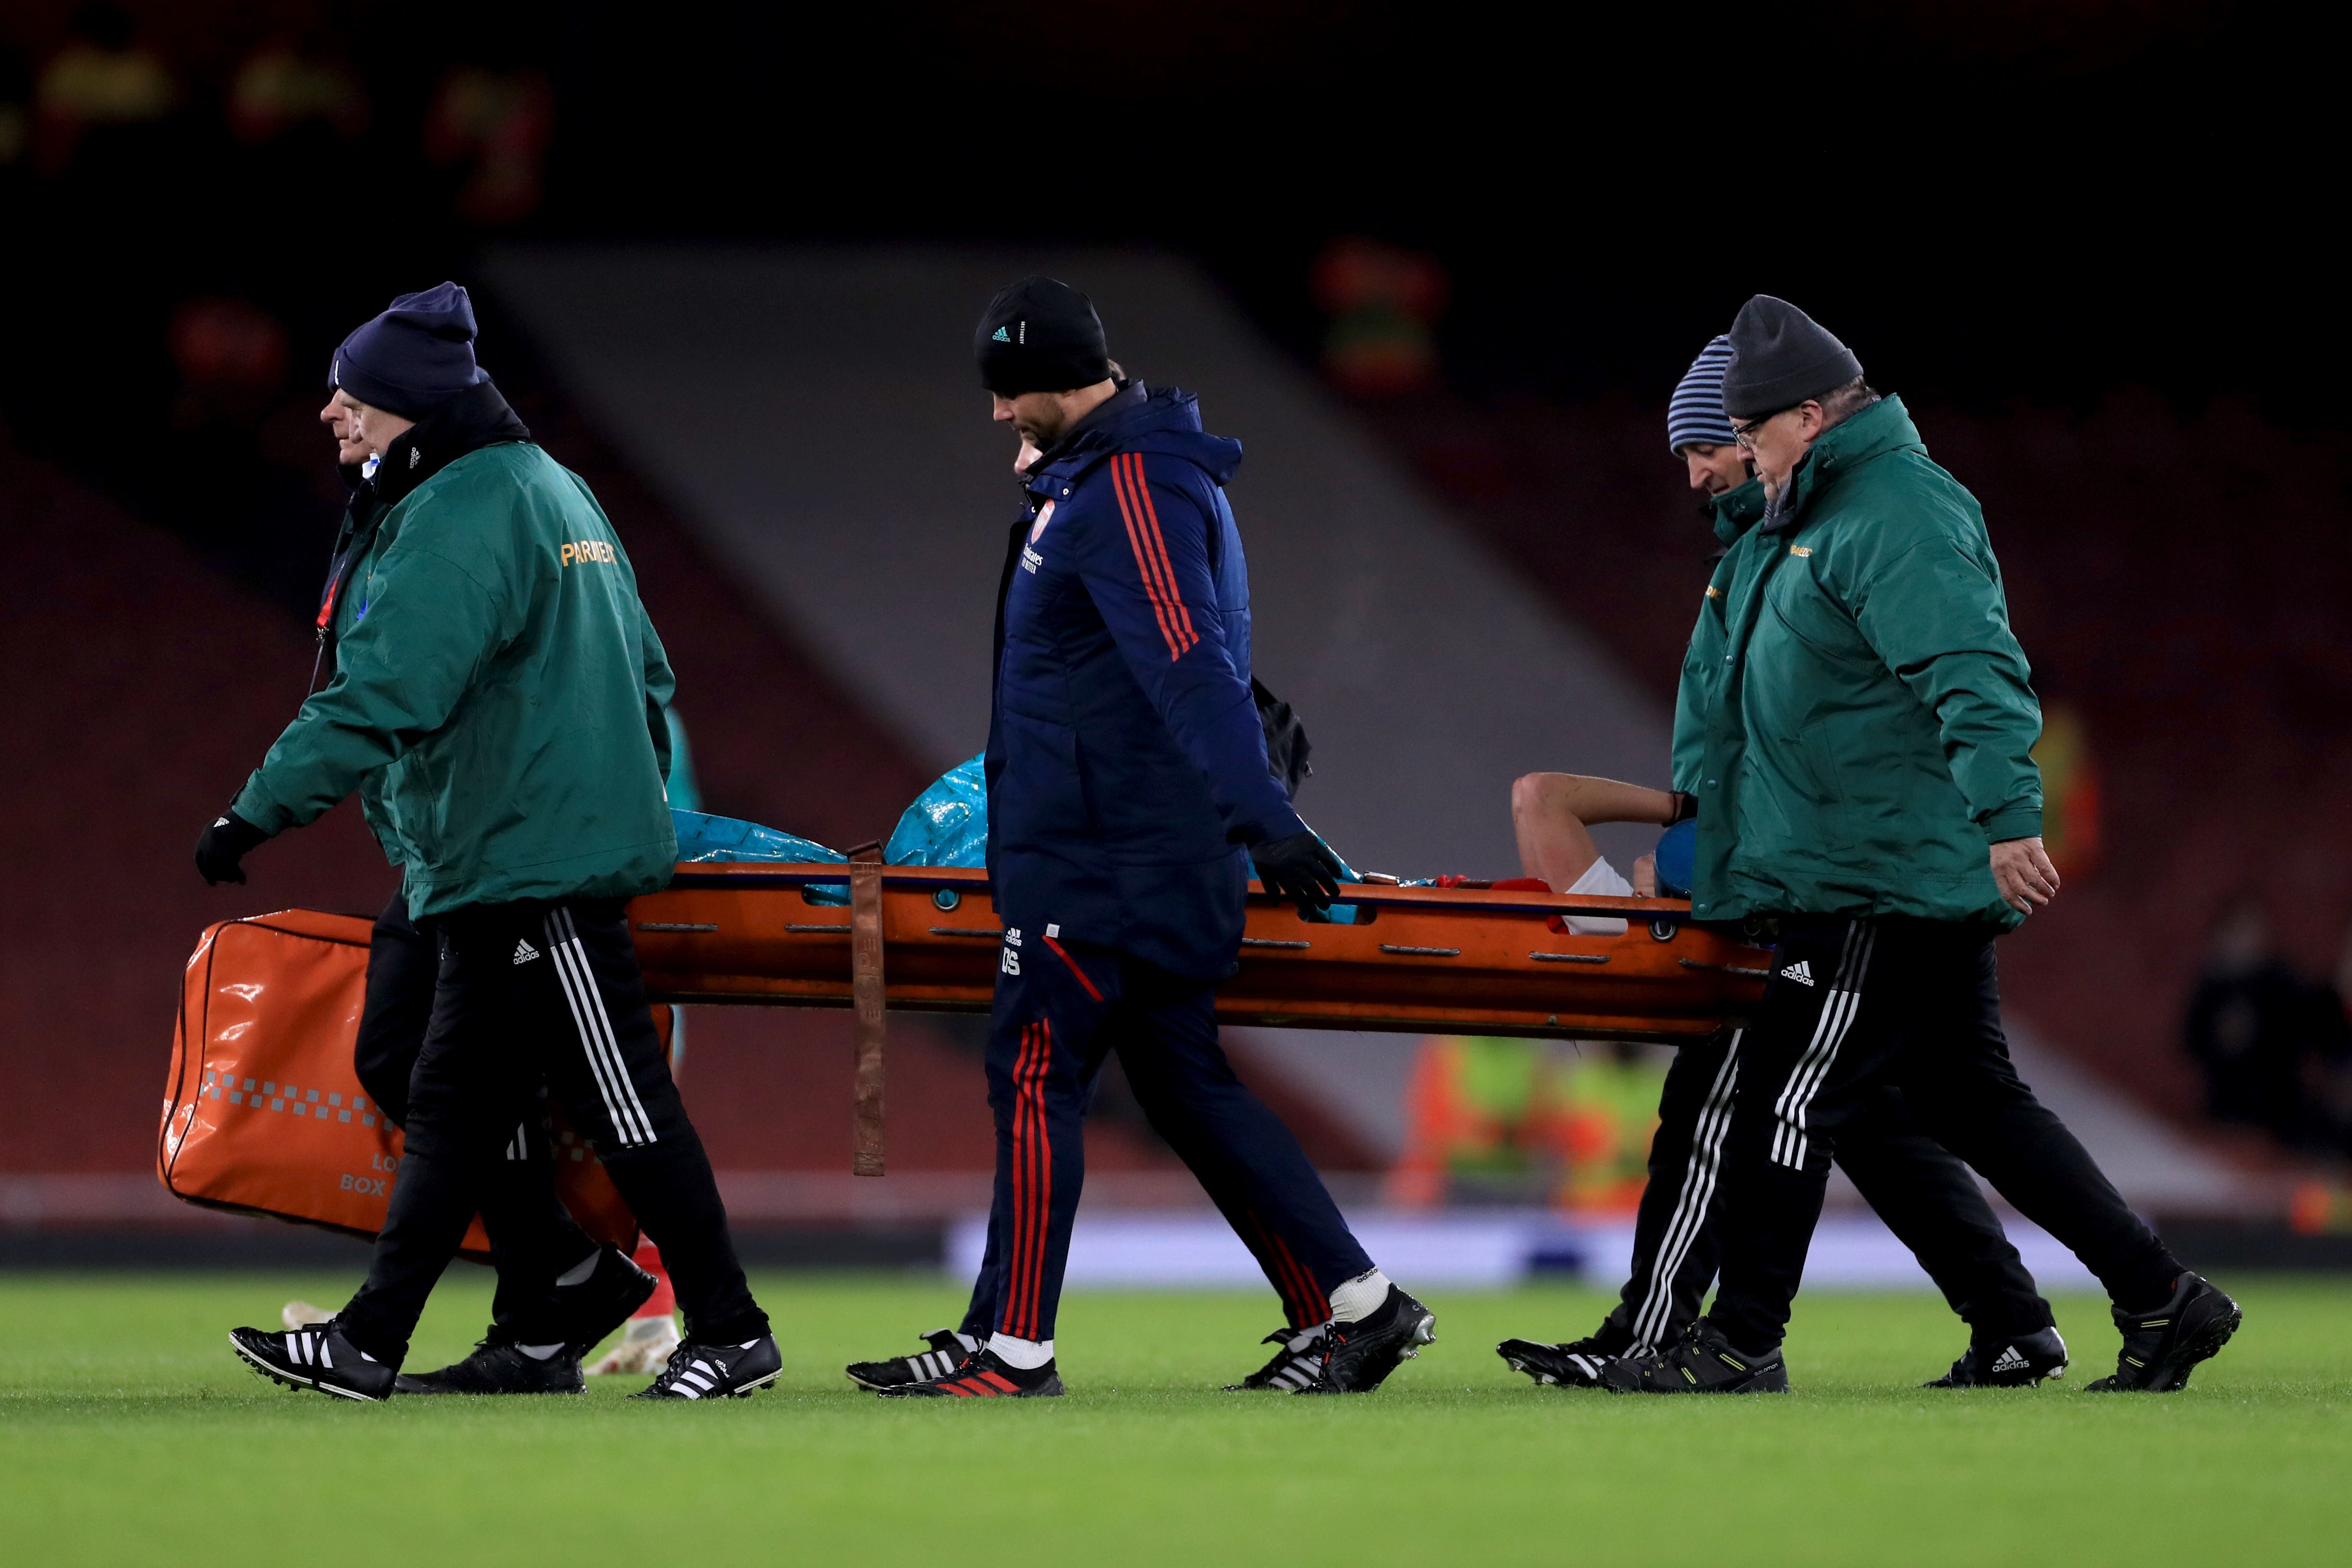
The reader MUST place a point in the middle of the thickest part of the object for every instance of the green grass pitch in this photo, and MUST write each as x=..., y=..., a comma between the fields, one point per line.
x=129, y=1435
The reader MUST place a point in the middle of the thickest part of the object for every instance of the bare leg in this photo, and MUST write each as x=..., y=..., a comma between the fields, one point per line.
x=1549, y=812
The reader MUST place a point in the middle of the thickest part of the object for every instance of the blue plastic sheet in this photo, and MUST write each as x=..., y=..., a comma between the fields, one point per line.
x=704, y=839
x=948, y=824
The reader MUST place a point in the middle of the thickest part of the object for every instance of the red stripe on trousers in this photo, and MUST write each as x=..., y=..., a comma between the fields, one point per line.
x=1317, y=1302
x=1081, y=973
x=1291, y=1283
x=1128, y=513
x=1016, y=1244
x=1033, y=1198
x=1151, y=523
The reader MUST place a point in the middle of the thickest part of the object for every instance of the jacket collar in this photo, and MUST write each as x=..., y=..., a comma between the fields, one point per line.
x=1164, y=419
x=1131, y=394
x=477, y=417
x=1736, y=510
x=1885, y=426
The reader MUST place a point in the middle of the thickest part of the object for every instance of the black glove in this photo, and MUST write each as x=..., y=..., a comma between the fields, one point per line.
x=1301, y=868
x=227, y=841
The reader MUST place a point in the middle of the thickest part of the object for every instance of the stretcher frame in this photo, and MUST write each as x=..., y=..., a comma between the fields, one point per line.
x=1430, y=959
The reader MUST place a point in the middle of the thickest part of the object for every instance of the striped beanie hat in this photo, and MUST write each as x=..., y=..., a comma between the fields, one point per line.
x=1696, y=415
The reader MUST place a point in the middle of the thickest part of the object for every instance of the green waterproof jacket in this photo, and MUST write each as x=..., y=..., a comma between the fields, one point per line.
x=496, y=666
x=1735, y=511
x=1868, y=727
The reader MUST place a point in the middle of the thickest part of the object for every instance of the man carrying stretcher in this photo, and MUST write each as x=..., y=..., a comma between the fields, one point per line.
x=1129, y=795
x=1925, y=1193
x=502, y=681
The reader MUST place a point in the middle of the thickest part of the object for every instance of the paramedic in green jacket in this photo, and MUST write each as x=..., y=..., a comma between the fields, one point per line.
x=502, y=676
x=1867, y=795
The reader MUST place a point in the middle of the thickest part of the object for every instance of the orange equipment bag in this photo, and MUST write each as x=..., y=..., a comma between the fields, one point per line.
x=263, y=1113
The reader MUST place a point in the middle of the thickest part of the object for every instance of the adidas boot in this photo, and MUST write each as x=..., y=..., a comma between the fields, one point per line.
x=1297, y=1363
x=716, y=1372
x=2019, y=1361
x=318, y=1358
x=949, y=1351
x=1576, y=1364
x=2162, y=1347
x=499, y=1369
x=1361, y=1354
x=1703, y=1362
x=985, y=1375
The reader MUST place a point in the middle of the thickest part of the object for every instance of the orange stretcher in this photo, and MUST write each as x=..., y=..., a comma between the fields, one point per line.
x=1466, y=960
x=263, y=1113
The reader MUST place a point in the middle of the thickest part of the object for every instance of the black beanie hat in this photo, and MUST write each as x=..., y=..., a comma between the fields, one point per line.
x=412, y=358
x=1040, y=335
x=1780, y=358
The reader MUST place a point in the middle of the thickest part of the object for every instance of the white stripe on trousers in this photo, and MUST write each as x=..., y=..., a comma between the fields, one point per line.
x=1690, y=1208
x=626, y=1112
x=1789, y=1145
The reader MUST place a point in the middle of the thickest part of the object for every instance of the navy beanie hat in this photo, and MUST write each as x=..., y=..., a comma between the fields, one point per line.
x=1779, y=358
x=1695, y=416
x=412, y=358
x=1040, y=335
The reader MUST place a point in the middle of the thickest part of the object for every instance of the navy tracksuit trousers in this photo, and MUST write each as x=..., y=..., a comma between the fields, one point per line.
x=1061, y=1008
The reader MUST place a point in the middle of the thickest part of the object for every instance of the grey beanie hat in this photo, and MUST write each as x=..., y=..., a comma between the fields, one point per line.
x=1695, y=414
x=1779, y=358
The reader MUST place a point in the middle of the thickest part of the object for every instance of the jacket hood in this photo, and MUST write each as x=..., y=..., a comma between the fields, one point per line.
x=1165, y=420
x=1736, y=511
x=1885, y=426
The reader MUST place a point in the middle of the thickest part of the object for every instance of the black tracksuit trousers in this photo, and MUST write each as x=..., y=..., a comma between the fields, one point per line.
x=1922, y=1192
x=1854, y=1007
x=529, y=994
x=533, y=1237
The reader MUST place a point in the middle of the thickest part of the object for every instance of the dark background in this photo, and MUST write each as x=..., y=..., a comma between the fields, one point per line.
x=2088, y=242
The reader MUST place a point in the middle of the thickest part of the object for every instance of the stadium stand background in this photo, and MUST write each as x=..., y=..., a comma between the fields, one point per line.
x=2160, y=452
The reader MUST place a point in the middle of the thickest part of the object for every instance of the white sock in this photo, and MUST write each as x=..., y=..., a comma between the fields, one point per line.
x=579, y=1276
x=1026, y=1355
x=539, y=1353
x=1361, y=1297
x=971, y=1346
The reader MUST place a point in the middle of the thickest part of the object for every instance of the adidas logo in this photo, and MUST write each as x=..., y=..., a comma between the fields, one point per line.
x=524, y=952
x=1001, y=335
x=1801, y=972
x=2008, y=1359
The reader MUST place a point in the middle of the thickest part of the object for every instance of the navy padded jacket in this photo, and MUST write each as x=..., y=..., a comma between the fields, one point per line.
x=1127, y=766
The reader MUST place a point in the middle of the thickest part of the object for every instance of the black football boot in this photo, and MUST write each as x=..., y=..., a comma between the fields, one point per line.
x=1702, y=1362
x=698, y=1371
x=318, y=1358
x=947, y=1353
x=612, y=1293
x=1296, y=1365
x=499, y=1369
x=1361, y=1354
x=1576, y=1364
x=985, y=1376
x=2163, y=1346
x=2016, y=1361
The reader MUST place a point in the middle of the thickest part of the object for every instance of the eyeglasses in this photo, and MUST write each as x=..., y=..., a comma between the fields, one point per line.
x=1745, y=434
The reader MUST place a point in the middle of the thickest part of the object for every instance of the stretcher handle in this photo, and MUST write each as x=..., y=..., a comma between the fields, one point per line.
x=868, y=998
